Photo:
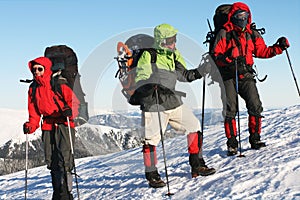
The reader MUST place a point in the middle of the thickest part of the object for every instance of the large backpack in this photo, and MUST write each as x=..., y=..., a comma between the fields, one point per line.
x=219, y=19
x=128, y=56
x=65, y=66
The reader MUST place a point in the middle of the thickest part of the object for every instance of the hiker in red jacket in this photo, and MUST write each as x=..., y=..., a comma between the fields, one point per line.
x=238, y=43
x=54, y=108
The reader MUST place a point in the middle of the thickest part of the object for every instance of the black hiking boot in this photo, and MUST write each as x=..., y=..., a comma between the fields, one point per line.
x=257, y=144
x=198, y=166
x=231, y=151
x=202, y=171
x=154, y=179
x=232, y=146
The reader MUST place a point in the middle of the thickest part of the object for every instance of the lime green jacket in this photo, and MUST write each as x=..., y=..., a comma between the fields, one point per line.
x=169, y=67
x=164, y=61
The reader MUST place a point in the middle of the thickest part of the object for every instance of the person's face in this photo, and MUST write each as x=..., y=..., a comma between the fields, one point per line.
x=37, y=70
x=170, y=43
x=170, y=46
x=240, y=19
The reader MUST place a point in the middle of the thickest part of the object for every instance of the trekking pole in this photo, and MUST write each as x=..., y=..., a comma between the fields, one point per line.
x=202, y=115
x=162, y=140
x=237, y=105
x=26, y=165
x=72, y=152
x=203, y=104
x=289, y=60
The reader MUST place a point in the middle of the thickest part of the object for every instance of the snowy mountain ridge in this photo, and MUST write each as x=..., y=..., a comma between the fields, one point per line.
x=105, y=133
x=270, y=173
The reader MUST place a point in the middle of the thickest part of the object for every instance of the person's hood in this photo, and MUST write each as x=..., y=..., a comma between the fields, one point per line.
x=46, y=63
x=162, y=32
x=238, y=6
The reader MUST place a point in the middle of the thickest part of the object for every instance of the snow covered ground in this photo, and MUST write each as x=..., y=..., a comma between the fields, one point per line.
x=270, y=173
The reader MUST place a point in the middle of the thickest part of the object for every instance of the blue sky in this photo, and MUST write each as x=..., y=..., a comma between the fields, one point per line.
x=27, y=27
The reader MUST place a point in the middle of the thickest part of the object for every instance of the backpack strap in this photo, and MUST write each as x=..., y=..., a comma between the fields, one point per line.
x=237, y=41
x=33, y=85
x=233, y=34
x=153, y=54
x=228, y=36
x=56, y=83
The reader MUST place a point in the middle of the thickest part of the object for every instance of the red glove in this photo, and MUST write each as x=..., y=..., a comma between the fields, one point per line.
x=28, y=128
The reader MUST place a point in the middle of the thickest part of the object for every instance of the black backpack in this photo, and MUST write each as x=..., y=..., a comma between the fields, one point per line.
x=65, y=67
x=219, y=19
x=128, y=57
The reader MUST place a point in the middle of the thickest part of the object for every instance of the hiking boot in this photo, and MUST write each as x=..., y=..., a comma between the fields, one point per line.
x=202, y=171
x=254, y=140
x=257, y=144
x=154, y=179
x=231, y=151
x=232, y=145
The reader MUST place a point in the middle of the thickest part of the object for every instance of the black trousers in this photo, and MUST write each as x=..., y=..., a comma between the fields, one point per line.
x=248, y=91
x=57, y=148
x=59, y=159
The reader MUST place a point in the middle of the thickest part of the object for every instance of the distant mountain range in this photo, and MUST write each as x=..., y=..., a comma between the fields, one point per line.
x=103, y=134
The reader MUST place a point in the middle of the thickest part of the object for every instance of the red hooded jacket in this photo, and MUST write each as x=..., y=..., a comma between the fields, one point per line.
x=43, y=103
x=223, y=48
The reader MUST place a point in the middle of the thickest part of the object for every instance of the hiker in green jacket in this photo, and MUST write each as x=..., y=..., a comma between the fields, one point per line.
x=161, y=77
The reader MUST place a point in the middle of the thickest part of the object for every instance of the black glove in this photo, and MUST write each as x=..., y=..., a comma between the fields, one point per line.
x=28, y=128
x=67, y=111
x=241, y=61
x=283, y=43
x=196, y=74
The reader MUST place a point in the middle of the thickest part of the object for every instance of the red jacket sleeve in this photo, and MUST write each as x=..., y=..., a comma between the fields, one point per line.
x=261, y=50
x=71, y=100
x=34, y=115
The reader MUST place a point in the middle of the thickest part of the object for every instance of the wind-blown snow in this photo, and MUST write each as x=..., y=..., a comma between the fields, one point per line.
x=270, y=173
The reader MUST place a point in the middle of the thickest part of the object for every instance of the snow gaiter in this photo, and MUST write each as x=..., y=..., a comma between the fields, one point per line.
x=150, y=158
x=254, y=125
x=230, y=131
x=194, y=141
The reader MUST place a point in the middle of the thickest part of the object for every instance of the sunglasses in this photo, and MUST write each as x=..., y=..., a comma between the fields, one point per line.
x=241, y=15
x=40, y=69
x=170, y=40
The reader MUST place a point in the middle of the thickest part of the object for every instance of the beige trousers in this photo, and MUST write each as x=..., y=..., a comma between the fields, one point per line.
x=182, y=119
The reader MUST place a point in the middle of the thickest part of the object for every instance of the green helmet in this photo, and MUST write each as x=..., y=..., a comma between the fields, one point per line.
x=162, y=32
